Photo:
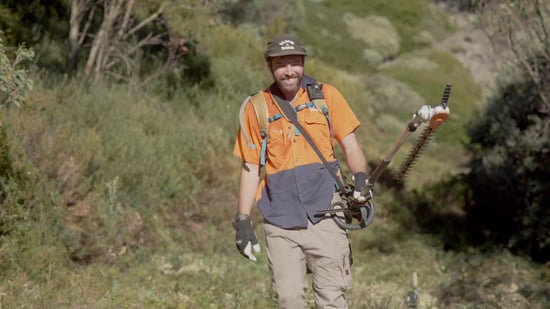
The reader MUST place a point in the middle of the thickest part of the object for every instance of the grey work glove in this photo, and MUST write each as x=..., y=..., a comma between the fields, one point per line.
x=359, y=184
x=245, y=238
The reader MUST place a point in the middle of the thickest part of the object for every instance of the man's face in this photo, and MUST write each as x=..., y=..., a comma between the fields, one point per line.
x=287, y=72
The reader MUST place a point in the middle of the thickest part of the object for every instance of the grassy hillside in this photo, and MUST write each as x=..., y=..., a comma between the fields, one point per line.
x=124, y=198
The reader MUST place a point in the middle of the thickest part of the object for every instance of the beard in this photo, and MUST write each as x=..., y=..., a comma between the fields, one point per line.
x=289, y=85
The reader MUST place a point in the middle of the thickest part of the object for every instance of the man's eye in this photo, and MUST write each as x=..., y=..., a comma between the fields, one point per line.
x=282, y=65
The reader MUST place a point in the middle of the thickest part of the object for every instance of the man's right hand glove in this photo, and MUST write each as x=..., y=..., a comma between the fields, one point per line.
x=245, y=238
x=359, y=182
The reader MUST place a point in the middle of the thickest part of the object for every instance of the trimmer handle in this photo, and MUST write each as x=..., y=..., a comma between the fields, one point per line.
x=362, y=214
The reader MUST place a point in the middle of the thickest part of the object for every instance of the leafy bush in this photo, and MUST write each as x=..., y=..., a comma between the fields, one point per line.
x=377, y=32
x=32, y=230
x=18, y=199
x=511, y=167
x=13, y=188
x=14, y=82
x=503, y=199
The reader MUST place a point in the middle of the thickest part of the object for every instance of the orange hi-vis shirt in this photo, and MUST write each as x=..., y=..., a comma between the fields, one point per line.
x=296, y=183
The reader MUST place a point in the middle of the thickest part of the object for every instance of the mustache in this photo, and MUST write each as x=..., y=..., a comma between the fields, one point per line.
x=285, y=77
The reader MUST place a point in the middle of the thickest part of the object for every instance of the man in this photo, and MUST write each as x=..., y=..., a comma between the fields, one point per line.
x=296, y=183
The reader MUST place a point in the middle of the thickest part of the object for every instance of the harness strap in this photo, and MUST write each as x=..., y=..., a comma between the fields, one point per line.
x=301, y=107
x=320, y=105
x=274, y=117
x=264, y=137
x=316, y=96
x=263, y=150
x=290, y=113
x=260, y=107
x=241, y=118
x=262, y=114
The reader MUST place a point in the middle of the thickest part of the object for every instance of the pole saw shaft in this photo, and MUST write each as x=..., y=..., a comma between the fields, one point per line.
x=364, y=211
x=385, y=162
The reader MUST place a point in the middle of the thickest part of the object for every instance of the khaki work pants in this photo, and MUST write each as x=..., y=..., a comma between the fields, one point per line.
x=323, y=248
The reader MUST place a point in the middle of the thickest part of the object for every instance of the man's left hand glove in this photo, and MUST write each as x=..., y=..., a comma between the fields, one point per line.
x=245, y=238
x=359, y=184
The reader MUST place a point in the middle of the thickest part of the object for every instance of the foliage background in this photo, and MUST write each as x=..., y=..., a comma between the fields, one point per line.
x=118, y=193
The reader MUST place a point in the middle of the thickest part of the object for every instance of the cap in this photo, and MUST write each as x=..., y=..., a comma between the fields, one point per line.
x=284, y=45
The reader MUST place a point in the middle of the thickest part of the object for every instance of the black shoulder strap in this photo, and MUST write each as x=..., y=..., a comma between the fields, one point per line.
x=290, y=113
x=313, y=88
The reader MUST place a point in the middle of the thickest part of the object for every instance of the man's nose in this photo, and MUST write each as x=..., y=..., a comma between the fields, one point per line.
x=288, y=69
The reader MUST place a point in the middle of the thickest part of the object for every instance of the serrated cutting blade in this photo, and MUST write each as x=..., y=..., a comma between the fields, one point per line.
x=415, y=153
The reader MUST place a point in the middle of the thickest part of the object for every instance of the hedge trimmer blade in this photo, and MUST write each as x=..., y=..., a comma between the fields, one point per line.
x=363, y=212
x=437, y=116
x=415, y=153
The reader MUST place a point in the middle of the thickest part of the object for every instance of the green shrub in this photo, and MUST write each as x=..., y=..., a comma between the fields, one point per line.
x=31, y=225
x=116, y=161
x=510, y=167
x=14, y=82
x=381, y=38
x=14, y=189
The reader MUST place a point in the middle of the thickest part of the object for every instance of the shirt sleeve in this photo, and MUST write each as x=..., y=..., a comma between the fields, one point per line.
x=342, y=118
x=248, y=148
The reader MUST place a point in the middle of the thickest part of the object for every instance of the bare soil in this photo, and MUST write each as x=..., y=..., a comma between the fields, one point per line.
x=472, y=47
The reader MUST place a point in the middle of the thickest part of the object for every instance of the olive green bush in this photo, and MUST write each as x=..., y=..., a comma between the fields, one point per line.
x=14, y=80
x=510, y=168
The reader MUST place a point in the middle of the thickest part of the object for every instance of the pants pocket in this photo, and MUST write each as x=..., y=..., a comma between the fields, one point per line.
x=345, y=268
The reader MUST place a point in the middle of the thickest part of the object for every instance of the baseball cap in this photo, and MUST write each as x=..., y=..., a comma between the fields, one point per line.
x=283, y=45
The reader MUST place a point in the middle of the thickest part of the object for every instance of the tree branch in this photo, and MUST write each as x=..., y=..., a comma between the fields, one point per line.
x=146, y=21
x=86, y=28
x=125, y=21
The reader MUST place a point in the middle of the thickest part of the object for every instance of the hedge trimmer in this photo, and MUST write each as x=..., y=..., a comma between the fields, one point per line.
x=363, y=212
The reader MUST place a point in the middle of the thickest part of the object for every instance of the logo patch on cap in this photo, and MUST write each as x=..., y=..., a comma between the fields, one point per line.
x=287, y=45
